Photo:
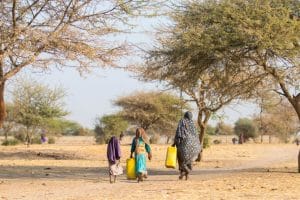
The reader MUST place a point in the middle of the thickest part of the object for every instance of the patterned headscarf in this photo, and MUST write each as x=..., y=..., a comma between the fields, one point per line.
x=186, y=126
x=140, y=132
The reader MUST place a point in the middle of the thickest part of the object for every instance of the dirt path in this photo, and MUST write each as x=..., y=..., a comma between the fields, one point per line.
x=227, y=172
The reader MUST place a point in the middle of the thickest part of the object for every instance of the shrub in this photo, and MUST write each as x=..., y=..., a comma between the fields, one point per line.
x=206, y=141
x=245, y=127
x=100, y=139
x=154, y=139
x=217, y=141
x=36, y=140
x=21, y=136
x=10, y=142
x=51, y=140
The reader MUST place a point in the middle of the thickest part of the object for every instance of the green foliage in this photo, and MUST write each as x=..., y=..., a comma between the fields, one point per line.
x=58, y=126
x=20, y=135
x=227, y=49
x=83, y=132
x=10, y=142
x=100, y=139
x=245, y=127
x=36, y=140
x=223, y=129
x=206, y=141
x=210, y=130
x=51, y=140
x=109, y=125
x=156, y=110
x=35, y=104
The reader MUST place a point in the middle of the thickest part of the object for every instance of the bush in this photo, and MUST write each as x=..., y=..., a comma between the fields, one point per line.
x=100, y=139
x=21, y=136
x=10, y=142
x=51, y=140
x=206, y=141
x=245, y=127
x=36, y=140
x=154, y=139
x=217, y=141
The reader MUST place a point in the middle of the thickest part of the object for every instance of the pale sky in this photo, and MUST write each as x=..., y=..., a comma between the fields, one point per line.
x=92, y=95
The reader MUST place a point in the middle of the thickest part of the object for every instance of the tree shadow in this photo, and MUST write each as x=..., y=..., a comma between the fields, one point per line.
x=53, y=172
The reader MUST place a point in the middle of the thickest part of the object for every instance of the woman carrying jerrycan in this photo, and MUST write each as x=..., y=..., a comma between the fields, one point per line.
x=140, y=146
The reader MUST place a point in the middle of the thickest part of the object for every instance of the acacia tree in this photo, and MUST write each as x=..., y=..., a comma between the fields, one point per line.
x=109, y=125
x=156, y=110
x=277, y=117
x=185, y=59
x=258, y=38
x=35, y=104
x=44, y=33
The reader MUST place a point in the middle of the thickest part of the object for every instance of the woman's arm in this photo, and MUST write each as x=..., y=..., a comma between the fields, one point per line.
x=148, y=150
x=132, y=148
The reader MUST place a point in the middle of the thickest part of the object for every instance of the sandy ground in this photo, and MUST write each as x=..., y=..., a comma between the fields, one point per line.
x=79, y=171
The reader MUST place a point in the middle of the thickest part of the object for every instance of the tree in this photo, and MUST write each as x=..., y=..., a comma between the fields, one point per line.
x=156, y=110
x=245, y=128
x=210, y=130
x=57, y=126
x=109, y=125
x=43, y=33
x=10, y=120
x=224, y=129
x=277, y=118
x=186, y=60
x=36, y=103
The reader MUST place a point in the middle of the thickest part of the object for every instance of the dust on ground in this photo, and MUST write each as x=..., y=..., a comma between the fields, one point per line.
x=79, y=171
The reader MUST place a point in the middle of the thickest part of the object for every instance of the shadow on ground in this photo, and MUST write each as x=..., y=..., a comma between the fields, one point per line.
x=98, y=173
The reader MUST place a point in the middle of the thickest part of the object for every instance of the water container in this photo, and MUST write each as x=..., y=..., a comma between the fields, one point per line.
x=171, y=157
x=130, y=168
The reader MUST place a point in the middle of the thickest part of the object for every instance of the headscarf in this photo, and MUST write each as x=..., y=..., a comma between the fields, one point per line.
x=113, y=150
x=185, y=126
x=140, y=132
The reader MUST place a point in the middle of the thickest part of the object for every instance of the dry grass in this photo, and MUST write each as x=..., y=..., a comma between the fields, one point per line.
x=64, y=171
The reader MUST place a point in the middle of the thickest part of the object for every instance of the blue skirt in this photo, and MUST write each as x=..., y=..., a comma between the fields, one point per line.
x=140, y=163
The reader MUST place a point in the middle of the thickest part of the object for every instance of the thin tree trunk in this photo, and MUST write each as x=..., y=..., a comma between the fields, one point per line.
x=168, y=139
x=2, y=87
x=202, y=120
x=6, y=135
x=28, y=137
x=299, y=161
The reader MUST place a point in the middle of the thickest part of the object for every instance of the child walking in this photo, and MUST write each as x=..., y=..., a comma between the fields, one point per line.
x=113, y=157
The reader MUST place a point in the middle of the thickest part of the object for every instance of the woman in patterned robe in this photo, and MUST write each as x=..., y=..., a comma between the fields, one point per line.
x=187, y=143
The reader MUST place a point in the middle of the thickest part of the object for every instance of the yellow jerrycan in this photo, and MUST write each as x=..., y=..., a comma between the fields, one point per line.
x=171, y=157
x=130, y=168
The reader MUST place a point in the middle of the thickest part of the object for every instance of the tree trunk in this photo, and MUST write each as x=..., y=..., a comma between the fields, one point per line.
x=203, y=117
x=168, y=139
x=2, y=87
x=299, y=161
x=6, y=135
x=296, y=105
x=28, y=137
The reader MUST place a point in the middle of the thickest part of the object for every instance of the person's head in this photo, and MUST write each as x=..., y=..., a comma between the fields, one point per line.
x=140, y=132
x=188, y=115
x=121, y=135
